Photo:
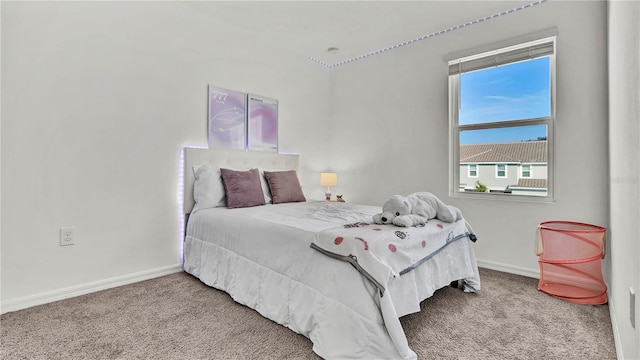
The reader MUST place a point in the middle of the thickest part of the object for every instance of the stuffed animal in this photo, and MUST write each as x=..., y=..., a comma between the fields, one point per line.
x=415, y=209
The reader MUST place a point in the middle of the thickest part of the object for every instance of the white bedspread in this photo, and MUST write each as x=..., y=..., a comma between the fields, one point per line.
x=262, y=257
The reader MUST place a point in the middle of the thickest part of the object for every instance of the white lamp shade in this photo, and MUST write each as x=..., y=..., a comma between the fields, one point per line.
x=328, y=179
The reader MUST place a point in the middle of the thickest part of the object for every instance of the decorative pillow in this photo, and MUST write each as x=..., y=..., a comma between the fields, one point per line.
x=242, y=188
x=284, y=186
x=208, y=190
x=265, y=184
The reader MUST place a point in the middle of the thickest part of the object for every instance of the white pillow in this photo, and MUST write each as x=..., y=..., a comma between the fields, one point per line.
x=265, y=187
x=208, y=189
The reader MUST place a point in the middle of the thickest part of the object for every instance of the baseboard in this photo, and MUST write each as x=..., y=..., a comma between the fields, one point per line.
x=616, y=330
x=82, y=289
x=492, y=265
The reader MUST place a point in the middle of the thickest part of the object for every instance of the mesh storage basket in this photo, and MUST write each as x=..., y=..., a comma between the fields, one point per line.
x=571, y=261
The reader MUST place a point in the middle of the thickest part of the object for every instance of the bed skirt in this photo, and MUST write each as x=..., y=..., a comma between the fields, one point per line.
x=337, y=331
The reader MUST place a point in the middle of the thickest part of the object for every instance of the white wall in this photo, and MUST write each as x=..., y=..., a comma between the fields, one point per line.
x=97, y=100
x=624, y=140
x=390, y=127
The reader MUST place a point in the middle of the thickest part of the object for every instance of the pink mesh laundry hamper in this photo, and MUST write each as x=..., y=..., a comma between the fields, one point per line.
x=571, y=261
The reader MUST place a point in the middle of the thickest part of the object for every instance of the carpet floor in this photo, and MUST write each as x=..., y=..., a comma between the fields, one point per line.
x=178, y=317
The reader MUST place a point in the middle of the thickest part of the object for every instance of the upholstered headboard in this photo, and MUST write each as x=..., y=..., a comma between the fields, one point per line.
x=233, y=159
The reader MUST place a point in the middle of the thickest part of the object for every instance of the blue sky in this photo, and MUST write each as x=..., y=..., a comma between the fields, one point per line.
x=509, y=92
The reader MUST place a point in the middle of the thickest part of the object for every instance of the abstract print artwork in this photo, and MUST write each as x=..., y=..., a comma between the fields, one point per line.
x=227, y=119
x=262, y=123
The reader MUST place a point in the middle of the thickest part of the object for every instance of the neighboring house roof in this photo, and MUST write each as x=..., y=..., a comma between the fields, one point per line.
x=531, y=183
x=522, y=152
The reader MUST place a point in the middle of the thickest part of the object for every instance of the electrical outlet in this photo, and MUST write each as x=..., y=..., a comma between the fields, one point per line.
x=67, y=236
x=632, y=307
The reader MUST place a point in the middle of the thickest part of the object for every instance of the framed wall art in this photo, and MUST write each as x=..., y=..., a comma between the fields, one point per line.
x=262, y=123
x=227, y=119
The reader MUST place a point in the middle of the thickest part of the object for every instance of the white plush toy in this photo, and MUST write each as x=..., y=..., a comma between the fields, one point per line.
x=415, y=209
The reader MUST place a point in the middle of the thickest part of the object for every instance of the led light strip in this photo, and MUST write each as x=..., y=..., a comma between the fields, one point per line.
x=486, y=18
x=181, y=189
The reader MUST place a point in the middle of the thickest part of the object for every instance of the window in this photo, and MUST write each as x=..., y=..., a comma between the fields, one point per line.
x=501, y=116
x=473, y=170
x=501, y=170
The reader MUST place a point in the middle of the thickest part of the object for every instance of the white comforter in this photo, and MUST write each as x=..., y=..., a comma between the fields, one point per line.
x=262, y=257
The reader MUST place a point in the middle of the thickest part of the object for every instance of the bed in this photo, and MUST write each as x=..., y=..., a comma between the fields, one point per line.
x=262, y=255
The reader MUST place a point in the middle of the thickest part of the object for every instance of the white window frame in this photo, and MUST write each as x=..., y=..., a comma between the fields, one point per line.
x=469, y=170
x=522, y=171
x=498, y=171
x=455, y=128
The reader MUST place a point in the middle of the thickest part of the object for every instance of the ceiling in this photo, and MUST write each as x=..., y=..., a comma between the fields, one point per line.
x=357, y=28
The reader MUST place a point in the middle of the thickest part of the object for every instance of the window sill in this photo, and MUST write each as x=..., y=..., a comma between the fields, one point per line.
x=503, y=197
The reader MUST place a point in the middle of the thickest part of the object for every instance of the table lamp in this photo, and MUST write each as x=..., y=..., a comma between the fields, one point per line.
x=328, y=179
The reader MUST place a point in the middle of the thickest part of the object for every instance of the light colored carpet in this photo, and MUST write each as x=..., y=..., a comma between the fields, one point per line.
x=177, y=317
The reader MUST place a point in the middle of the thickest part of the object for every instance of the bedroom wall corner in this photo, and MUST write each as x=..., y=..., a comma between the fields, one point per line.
x=624, y=173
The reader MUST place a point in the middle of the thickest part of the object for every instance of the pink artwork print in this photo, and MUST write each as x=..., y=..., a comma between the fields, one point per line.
x=262, y=122
x=227, y=116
